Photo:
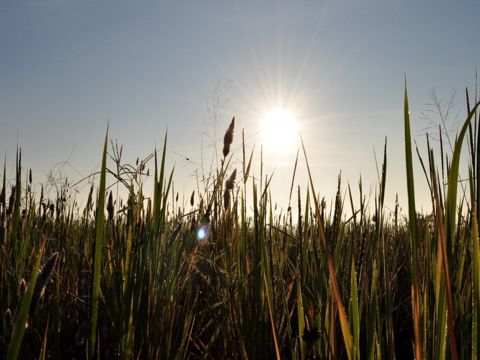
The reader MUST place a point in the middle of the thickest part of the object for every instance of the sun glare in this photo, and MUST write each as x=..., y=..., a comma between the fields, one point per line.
x=279, y=131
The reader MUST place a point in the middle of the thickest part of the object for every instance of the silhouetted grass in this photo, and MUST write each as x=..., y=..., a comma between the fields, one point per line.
x=231, y=277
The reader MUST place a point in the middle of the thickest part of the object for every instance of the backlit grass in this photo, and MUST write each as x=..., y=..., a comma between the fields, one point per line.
x=132, y=278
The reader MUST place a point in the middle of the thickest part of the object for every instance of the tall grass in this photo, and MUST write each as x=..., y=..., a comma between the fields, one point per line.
x=98, y=255
x=227, y=275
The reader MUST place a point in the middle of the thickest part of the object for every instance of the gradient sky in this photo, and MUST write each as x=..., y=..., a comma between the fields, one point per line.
x=69, y=67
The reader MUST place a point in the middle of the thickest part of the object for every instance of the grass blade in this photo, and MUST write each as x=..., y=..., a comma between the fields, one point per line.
x=99, y=238
x=334, y=288
x=21, y=321
x=412, y=227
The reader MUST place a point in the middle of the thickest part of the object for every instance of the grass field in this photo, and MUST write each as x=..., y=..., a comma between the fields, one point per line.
x=227, y=276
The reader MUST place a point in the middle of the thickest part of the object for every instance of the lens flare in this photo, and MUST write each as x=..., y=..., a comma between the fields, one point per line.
x=202, y=233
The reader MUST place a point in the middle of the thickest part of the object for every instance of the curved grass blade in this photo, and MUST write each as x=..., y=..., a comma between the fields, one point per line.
x=450, y=206
x=22, y=317
x=450, y=214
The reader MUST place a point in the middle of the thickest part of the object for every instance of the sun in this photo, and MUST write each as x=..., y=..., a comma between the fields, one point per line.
x=279, y=130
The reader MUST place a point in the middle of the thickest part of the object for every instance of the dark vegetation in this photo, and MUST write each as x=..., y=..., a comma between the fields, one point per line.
x=226, y=276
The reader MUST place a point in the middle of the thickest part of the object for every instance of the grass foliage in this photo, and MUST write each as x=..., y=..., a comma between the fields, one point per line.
x=226, y=275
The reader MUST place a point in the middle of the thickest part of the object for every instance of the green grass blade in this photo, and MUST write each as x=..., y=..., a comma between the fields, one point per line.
x=476, y=291
x=99, y=238
x=450, y=215
x=162, y=175
x=43, y=351
x=412, y=226
x=21, y=321
x=354, y=311
x=301, y=321
x=451, y=202
x=156, y=201
x=372, y=319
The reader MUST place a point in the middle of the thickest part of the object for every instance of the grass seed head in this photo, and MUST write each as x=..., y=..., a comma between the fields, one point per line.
x=229, y=187
x=231, y=180
x=42, y=280
x=110, y=207
x=193, y=224
x=8, y=322
x=226, y=198
x=11, y=200
x=228, y=138
x=208, y=212
x=192, y=198
x=22, y=288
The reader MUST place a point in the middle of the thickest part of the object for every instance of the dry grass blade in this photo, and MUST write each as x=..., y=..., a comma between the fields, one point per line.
x=344, y=324
x=443, y=260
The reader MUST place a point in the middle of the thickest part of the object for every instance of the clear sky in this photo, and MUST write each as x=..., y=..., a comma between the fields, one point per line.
x=69, y=67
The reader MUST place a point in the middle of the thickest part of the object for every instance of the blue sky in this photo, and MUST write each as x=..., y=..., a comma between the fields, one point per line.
x=67, y=68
